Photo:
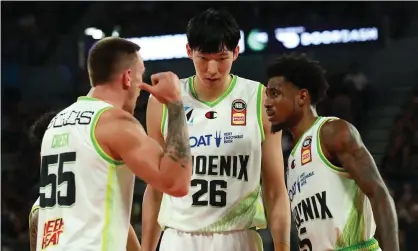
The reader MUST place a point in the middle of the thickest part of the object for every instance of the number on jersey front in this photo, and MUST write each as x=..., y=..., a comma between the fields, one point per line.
x=51, y=181
x=304, y=244
x=217, y=197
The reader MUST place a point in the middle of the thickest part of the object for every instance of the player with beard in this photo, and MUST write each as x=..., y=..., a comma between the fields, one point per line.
x=335, y=189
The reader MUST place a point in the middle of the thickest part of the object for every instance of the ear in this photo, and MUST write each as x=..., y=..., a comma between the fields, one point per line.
x=303, y=97
x=235, y=53
x=126, y=79
x=189, y=51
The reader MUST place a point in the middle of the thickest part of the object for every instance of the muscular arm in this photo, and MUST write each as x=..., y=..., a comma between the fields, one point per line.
x=169, y=169
x=151, y=231
x=177, y=145
x=133, y=242
x=341, y=141
x=274, y=189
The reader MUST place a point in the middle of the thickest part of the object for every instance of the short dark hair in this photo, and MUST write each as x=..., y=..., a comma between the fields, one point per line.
x=37, y=130
x=302, y=72
x=107, y=56
x=213, y=31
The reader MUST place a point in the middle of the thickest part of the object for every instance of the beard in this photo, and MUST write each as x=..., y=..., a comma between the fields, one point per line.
x=277, y=127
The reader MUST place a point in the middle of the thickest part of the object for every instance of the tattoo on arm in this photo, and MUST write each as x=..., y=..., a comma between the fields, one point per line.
x=33, y=229
x=177, y=143
x=345, y=144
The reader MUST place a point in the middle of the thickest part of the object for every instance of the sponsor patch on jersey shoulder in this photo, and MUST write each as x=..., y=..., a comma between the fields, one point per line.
x=306, y=155
x=238, y=113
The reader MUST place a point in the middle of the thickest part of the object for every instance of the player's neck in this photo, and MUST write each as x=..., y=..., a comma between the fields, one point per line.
x=307, y=120
x=211, y=93
x=106, y=94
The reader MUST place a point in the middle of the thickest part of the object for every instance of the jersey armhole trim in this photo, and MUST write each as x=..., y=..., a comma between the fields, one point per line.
x=163, y=119
x=96, y=144
x=34, y=208
x=260, y=111
x=292, y=153
x=334, y=168
x=32, y=211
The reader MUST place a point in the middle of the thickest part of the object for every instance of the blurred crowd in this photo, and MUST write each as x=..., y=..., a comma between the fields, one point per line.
x=400, y=167
x=33, y=38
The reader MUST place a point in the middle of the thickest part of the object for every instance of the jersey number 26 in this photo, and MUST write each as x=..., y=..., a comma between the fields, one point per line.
x=217, y=197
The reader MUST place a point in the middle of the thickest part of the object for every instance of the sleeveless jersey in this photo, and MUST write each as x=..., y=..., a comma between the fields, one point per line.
x=34, y=207
x=329, y=209
x=225, y=139
x=85, y=195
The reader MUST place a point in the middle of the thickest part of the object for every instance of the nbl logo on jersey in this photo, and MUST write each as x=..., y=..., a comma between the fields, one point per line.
x=306, y=154
x=239, y=113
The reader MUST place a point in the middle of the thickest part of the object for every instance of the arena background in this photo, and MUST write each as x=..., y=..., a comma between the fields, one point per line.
x=370, y=51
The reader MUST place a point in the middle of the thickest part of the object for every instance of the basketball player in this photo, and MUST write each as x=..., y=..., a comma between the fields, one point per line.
x=232, y=148
x=85, y=187
x=335, y=189
x=36, y=134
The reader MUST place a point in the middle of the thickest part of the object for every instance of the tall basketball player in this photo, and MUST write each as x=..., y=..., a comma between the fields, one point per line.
x=36, y=134
x=335, y=189
x=232, y=149
x=85, y=187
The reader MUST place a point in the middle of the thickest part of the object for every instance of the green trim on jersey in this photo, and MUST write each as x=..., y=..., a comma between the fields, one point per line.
x=109, y=215
x=369, y=245
x=218, y=100
x=163, y=119
x=353, y=231
x=303, y=135
x=260, y=111
x=321, y=153
x=85, y=98
x=248, y=210
x=96, y=144
x=32, y=211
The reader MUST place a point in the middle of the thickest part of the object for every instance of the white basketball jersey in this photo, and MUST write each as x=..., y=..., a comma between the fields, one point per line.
x=85, y=195
x=329, y=209
x=225, y=137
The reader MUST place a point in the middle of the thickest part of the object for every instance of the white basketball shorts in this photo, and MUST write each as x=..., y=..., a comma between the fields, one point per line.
x=246, y=240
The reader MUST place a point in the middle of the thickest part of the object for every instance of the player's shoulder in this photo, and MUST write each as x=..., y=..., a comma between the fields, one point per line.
x=185, y=81
x=336, y=132
x=114, y=114
x=332, y=126
x=66, y=109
